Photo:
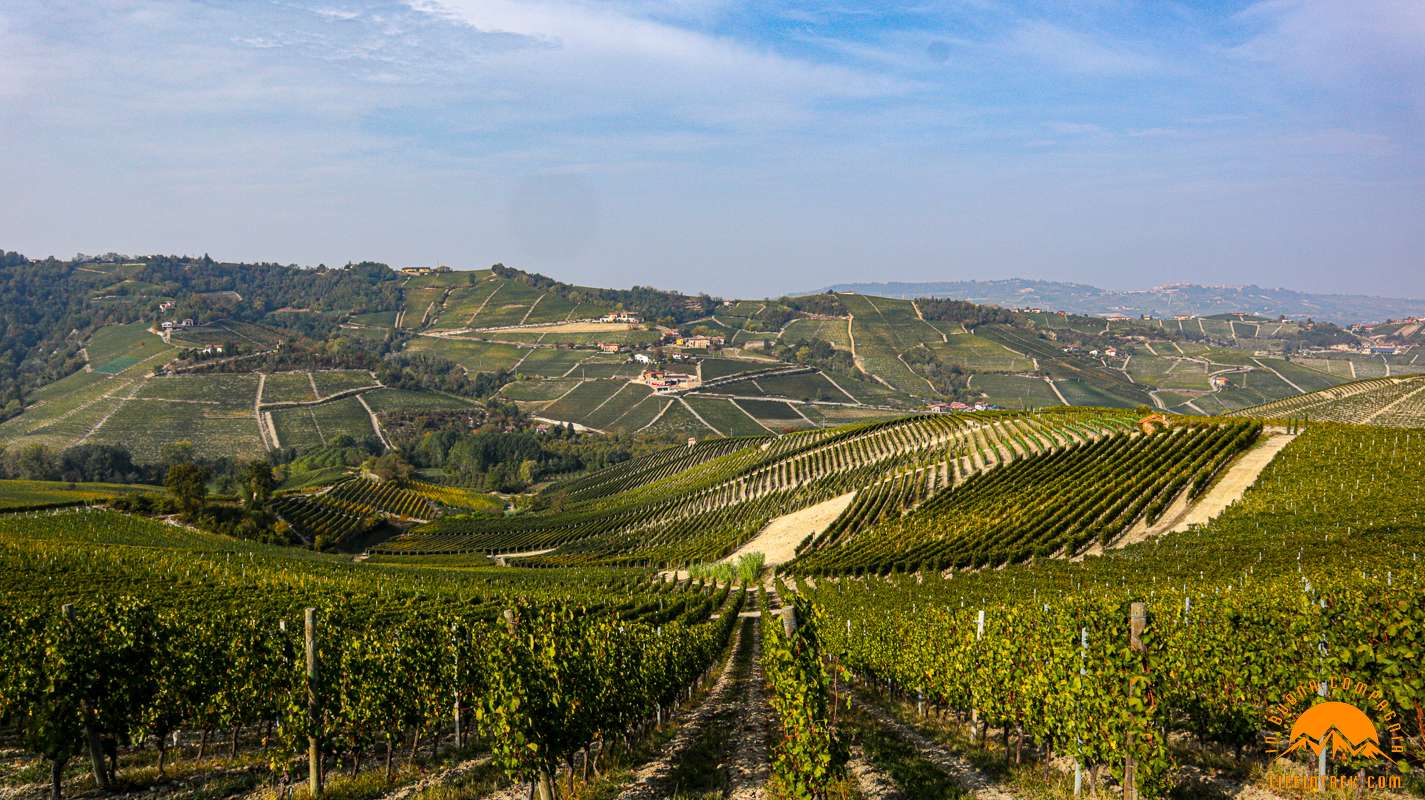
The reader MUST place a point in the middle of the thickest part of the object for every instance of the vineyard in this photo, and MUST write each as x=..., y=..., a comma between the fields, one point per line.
x=703, y=502
x=1393, y=402
x=982, y=613
x=1052, y=502
x=1290, y=587
x=332, y=516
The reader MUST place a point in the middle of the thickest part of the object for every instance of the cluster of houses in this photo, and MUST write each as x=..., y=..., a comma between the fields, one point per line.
x=1107, y=352
x=424, y=270
x=169, y=325
x=699, y=342
x=1368, y=349
x=957, y=407
x=664, y=381
x=690, y=342
x=621, y=316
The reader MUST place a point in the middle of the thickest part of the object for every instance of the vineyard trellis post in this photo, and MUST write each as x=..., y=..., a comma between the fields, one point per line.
x=455, y=649
x=544, y=787
x=91, y=733
x=314, y=750
x=1137, y=621
x=979, y=634
x=1083, y=670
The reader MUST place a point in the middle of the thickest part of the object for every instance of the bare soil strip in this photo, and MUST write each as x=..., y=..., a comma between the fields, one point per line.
x=962, y=771
x=778, y=541
x=733, y=716
x=1231, y=486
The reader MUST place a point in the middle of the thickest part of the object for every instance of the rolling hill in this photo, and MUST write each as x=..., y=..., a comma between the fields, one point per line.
x=1170, y=300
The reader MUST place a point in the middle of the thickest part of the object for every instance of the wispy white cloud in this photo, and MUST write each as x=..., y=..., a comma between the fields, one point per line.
x=611, y=53
x=1071, y=51
x=1333, y=40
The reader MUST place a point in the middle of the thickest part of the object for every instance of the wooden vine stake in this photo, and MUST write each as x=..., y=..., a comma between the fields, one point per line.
x=979, y=634
x=1137, y=621
x=314, y=751
x=544, y=787
x=455, y=649
x=91, y=731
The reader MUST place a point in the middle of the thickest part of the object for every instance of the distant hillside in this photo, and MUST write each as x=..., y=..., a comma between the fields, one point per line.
x=1078, y=298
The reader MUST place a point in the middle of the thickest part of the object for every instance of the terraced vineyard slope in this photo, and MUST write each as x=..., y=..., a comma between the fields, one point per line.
x=1392, y=402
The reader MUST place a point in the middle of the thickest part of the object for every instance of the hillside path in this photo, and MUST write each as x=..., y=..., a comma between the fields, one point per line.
x=1284, y=378
x=1231, y=486
x=979, y=785
x=778, y=541
x=730, y=725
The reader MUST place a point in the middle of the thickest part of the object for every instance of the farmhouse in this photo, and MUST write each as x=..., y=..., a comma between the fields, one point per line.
x=662, y=381
x=643, y=358
x=212, y=349
x=415, y=270
x=699, y=342
x=166, y=325
x=166, y=305
x=621, y=316
x=610, y=347
x=1220, y=382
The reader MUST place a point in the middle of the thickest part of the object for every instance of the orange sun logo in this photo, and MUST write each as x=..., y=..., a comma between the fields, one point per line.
x=1340, y=728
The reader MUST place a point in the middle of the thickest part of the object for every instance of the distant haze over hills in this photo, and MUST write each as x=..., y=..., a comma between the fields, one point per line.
x=1343, y=309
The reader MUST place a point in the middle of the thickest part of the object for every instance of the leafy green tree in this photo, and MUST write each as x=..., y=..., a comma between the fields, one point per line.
x=257, y=484
x=188, y=483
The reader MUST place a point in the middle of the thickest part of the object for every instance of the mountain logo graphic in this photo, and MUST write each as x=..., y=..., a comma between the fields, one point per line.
x=1340, y=728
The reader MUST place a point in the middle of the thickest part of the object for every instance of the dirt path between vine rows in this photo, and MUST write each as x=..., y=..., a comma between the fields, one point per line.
x=1239, y=478
x=979, y=785
x=723, y=743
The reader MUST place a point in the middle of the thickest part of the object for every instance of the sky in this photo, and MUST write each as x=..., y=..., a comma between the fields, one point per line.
x=739, y=148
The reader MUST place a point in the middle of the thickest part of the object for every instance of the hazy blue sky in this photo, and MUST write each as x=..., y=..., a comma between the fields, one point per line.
x=735, y=147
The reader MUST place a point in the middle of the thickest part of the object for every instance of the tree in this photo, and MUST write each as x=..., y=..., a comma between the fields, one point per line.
x=389, y=467
x=179, y=452
x=257, y=484
x=188, y=484
x=31, y=463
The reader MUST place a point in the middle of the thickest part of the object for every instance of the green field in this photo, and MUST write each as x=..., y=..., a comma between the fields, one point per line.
x=775, y=415
x=334, y=381
x=475, y=356
x=638, y=415
x=978, y=354
x=287, y=387
x=584, y=399
x=828, y=330
x=610, y=412
x=726, y=416
x=318, y=425
x=884, y=329
x=678, y=421
x=114, y=349
x=549, y=362
x=406, y=400
x=712, y=368
x=537, y=390
x=23, y=494
x=1015, y=391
